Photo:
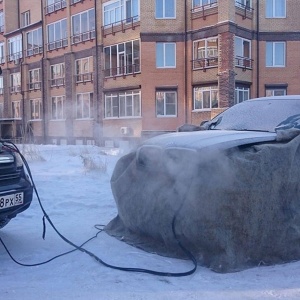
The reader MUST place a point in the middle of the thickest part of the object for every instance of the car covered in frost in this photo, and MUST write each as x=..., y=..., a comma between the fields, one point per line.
x=230, y=187
x=15, y=187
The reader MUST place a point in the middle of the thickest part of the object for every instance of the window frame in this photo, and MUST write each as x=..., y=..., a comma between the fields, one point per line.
x=57, y=74
x=80, y=106
x=210, y=61
x=273, y=91
x=34, y=79
x=62, y=38
x=209, y=3
x=272, y=14
x=2, y=52
x=163, y=56
x=205, y=89
x=273, y=64
x=16, y=109
x=161, y=109
x=15, y=47
x=15, y=82
x=35, y=114
x=25, y=18
x=241, y=89
x=36, y=36
x=60, y=112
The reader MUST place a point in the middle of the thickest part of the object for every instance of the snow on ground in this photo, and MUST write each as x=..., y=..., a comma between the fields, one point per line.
x=76, y=199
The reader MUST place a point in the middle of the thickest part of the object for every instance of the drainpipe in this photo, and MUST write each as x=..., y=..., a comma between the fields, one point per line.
x=257, y=48
x=185, y=63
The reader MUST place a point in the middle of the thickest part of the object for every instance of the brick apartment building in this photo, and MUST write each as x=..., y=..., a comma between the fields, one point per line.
x=87, y=71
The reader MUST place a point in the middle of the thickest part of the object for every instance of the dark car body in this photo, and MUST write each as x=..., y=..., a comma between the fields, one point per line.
x=15, y=187
x=233, y=186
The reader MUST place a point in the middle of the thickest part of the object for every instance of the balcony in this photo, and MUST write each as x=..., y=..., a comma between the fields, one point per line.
x=57, y=44
x=32, y=86
x=244, y=10
x=15, y=89
x=55, y=7
x=244, y=62
x=34, y=51
x=120, y=26
x=83, y=78
x=205, y=10
x=122, y=71
x=83, y=37
x=205, y=63
x=57, y=82
x=15, y=57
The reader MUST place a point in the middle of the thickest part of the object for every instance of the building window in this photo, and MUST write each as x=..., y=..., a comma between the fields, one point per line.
x=16, y=109
x=199, y=3
x=57, y=35
x=122, y=59
x=15, y=82
x=123, y=104
x=25, y=18
x=57, y=76
x=58, y=110
x=241, y=94
x=165, y=55
x=35, y=109
x=205, y=53
x=165, y=9
x=54, y=5
x=206, y=98
x=1, y=21
x=1, y=110
x=166, y=103
x=34, y=42
x=75, y=1
x=84, y=69
x=243, y=3
x=84, y=106
x=2, y=53
x=83, y=26
x=117, y=11
x=243, y=53
x=1, y=85
x=15, y=48
x=275, y=54
x=34, y=79
x=275, y=92
x=275, y=8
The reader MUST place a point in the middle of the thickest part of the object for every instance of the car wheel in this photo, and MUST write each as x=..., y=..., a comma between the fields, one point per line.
x=3, y=222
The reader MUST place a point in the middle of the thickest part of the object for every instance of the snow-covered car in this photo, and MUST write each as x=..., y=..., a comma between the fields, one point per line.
x=229, y=191
x=15, y=187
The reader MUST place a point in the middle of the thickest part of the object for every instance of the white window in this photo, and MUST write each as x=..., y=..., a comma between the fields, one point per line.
x=199, y=3
x=166, y=103
x=275, y=54
x=84, y=106
x=241, y=94
x=122, y=59
x=165, y=55
x=1, y=21
x=242, y=52
x=16, y=109
x=123, y=104
x=84, y=69
x=243, y=3
x=15, y=48
x=57, y=34
x=25, y=18
x=1, y=85
x=117, y=11
x=2, y=53
x=53, y=5
x=205, y=53
x=15, y=82
x=165, y=9
x=83, y=26
x=34, y=42
x=275, y=8
x=206, y=98
x=58, y=110
x=57, y=74
x=275, y=91
x=35, y=109
x=34, y=79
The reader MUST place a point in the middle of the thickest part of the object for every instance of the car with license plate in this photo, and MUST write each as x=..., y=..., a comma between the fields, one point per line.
x=16, y=189
x=228, y=189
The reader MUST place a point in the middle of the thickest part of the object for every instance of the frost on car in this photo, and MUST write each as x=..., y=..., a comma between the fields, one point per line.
x=15, y=187
x=233, y=188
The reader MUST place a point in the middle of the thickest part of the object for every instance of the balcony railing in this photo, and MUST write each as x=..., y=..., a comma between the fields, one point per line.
x=57, y=82
x=122, y=71
x=57, y=44
x=245, y=9
x=122, y=25
x=83, y=78
x=34, y=85
x=15, y=89
x=204, y=10
x=244, y=62
x=76, y=1
x=55, y=6
x=15, y=57
x=83, y=37
x=204, y=63
x=34, y=51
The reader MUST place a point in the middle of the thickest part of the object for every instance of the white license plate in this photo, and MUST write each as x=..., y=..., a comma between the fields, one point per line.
x=11, y=200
